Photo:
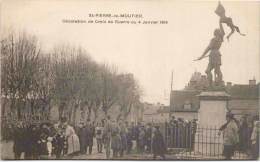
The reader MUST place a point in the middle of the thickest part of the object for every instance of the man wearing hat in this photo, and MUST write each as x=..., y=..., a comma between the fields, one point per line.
x=82, y=137
x=230, y=135
x=141, y=139
x=158, y=145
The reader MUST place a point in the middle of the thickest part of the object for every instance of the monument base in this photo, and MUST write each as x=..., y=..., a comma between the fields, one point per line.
x=211, y=116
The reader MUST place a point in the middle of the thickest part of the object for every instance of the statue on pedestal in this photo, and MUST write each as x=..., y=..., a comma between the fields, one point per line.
x=214, y=46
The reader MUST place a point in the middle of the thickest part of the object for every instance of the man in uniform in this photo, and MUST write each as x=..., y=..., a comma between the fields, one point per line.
x=107, y=136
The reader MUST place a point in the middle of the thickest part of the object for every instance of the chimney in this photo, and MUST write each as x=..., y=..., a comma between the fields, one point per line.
x=252, y=82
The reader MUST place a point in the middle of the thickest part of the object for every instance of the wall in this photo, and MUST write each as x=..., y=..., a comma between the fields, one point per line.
x=156, y=118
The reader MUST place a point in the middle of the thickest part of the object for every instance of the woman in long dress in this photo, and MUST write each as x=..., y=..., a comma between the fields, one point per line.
x=72, y=139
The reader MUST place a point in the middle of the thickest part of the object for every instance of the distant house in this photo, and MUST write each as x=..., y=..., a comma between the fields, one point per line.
x=244, y=98
x=136, y=114
x=155, y=113
x=163, y=114
x=184, y=104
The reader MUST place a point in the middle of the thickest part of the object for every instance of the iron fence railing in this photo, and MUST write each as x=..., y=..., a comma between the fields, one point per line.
x=189, y=141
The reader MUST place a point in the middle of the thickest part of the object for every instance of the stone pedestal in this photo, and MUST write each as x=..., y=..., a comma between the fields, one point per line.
x=211, y=115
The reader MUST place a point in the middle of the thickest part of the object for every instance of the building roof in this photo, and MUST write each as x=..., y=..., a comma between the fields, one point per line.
x=184, y=101
x=244, y=98
x=244, y=91
x=243, y=104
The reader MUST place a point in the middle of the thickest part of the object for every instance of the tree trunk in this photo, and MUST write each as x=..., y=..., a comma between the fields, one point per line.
x=20, y=105
x=70, y=112
x=19, y=115
x=95, y=115
x=3, y=107
x=49, y=110
x=128, y=110
x=74, y=116
x=32, y=107
x=89, y=112
x=61, y=110
x=12, y=107
x=105, y=111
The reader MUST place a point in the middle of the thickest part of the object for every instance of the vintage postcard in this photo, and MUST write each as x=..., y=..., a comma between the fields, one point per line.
x=130, y=80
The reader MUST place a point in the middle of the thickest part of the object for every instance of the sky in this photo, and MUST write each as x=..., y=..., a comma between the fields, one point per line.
x=150, y=52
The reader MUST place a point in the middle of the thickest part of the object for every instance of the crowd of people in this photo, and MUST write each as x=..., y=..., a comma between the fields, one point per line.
x=118, y=138
x=238, y=135
x=61, y=140
x=42, y=140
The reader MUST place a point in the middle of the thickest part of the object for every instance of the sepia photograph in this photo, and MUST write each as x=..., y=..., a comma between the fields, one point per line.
x=130, y=80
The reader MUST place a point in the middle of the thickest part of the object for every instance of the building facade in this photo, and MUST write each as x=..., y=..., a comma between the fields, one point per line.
x=244, y=98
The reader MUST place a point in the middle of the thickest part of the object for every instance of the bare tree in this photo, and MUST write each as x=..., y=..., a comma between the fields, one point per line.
x=129, y=94
x=67, y=76
x=20, y=63
x=44, y=86
x=109, y=88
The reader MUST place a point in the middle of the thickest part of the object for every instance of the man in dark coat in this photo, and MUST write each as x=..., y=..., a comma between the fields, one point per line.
x=141, y=140
x=129, y=138
x=32, y=142
x=27, y=141
x=19, y=140
x=89, y=133
x=148, y=137
x=82, y=138
x=115, y=138
x=244, y=134
x=158, y=145
x=136, y=134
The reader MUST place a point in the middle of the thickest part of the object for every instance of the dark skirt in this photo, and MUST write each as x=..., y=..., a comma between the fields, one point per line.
x=228, y=151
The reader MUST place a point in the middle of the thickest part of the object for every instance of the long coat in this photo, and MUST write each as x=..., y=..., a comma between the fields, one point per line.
x=123, y=137
x=73, y=140
x=158, y=144
x=230, y=133
x=89, y=134
x=82, y=137
x=115, y=138
x=141, y=138
x=19, y=140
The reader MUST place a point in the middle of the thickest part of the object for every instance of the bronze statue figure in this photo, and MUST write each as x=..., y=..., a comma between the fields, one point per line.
x=214, y=46
x=214, y=55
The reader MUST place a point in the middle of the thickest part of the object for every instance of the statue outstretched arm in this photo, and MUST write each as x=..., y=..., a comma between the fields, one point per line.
x=204, y=53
